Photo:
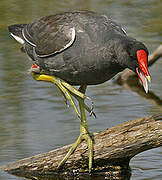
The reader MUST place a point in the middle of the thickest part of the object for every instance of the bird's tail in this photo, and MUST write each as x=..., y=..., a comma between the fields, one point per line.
x=16, y=32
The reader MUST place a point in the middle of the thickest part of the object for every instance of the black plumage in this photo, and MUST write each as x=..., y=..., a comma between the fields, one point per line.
x=79, y=47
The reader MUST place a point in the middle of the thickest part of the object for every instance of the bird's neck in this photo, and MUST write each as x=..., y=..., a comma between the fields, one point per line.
x=122, y=46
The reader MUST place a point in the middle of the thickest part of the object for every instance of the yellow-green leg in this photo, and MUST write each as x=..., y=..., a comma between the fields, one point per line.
x=84, y=129
x=84, y=134
x=68, y=92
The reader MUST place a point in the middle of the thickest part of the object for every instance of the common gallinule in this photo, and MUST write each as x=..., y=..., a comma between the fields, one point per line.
x=80, y=48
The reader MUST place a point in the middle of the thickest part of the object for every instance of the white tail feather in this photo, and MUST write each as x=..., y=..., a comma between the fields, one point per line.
x=20, y=40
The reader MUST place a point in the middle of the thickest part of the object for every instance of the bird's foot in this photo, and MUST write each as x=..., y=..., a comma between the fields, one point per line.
x=87, y=137
x=67, y=90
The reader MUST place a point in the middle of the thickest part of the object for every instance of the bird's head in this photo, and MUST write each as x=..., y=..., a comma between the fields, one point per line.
x=139, y=62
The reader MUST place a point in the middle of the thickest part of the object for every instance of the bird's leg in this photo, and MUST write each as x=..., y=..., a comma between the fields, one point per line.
x=84, y=129
x=69, y=91
x=55, y=80
x=84, y=134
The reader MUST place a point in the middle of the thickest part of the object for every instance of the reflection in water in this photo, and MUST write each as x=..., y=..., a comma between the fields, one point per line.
x=81, y=176
x=33, y=115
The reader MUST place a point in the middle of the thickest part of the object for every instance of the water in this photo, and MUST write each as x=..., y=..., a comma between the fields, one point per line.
x=33, y=116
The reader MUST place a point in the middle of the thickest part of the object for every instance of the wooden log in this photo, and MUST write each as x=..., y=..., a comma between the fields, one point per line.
x=113, y=149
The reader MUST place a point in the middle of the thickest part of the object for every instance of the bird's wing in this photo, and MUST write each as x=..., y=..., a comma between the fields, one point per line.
x=49, y=35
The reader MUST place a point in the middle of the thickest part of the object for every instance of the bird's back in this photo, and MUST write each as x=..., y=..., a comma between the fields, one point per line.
x=75, y=46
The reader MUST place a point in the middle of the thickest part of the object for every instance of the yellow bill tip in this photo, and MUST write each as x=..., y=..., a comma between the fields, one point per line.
x=148, y=78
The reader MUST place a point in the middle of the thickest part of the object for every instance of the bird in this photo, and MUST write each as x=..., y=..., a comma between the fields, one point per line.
x=80, y=48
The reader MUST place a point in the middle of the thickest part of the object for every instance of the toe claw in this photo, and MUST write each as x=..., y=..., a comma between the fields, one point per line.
x=90, y=110
x=92, y=103
x=92, y=113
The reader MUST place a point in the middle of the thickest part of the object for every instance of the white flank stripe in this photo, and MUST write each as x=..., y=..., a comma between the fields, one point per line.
x=20, y=40
x=72, y=33
x=27, y=39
